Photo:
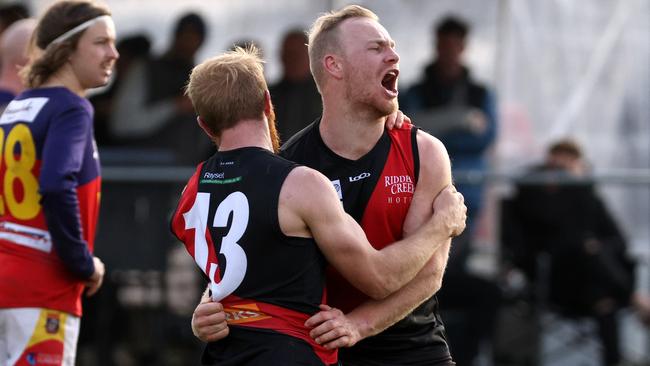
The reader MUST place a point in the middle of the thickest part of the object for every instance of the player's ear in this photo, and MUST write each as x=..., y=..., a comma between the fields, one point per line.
x=208, y=131
x=333, y=66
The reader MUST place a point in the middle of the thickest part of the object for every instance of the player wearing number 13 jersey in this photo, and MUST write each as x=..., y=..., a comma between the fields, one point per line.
x=50, y=187
x=256, y=225
x=271, y=281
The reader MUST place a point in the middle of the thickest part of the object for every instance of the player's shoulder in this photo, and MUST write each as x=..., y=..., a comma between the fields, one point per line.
x=429, y=144
x=303, y=175
x=56, y=105
x=61, y=97
x=307, y=182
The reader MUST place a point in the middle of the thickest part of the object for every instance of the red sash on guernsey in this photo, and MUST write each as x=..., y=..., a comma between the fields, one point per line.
x=256, y=314
x=384, y=215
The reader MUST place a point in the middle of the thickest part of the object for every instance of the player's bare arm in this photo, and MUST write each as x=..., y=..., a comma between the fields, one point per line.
x=309, y=205
x=333, y=328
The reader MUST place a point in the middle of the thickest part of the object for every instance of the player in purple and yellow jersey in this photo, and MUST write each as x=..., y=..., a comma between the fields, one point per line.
x=49, y=196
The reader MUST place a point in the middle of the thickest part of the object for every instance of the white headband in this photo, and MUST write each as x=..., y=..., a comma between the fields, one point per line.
x=79, y=28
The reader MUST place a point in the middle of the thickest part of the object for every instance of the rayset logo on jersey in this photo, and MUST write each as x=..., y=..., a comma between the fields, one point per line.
x=210, y=175
x=359, y=177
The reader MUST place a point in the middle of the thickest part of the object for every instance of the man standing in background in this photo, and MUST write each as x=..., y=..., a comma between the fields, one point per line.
x=295, y=97
x=452, y=106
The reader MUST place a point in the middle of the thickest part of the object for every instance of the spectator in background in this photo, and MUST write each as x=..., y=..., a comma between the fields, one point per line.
x=455, y=108
x=459, y=111
x=14, y=44
x=9, y=13
x=150, y=108
x=132, y=49
x=12, y=51
x=590, y=272
x=296, y=99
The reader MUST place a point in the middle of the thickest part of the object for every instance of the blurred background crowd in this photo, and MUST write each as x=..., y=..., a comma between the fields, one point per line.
x=542, y=105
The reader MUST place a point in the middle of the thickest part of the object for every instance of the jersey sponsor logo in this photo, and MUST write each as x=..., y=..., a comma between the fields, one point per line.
x=210, y=175
x=221, y=181
x=401, y=188
x=337, y=187
x=24, y=110
x=26, y=235
x=244, y=313
x=359, y=177
x=399, y=184
x=40, y=358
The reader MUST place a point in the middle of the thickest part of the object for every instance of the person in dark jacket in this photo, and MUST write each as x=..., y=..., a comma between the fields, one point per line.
x=452, y=106
x=590, y=273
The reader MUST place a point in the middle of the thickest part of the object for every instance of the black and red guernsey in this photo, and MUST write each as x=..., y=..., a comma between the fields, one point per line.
x=268, y=283
x=376, y=190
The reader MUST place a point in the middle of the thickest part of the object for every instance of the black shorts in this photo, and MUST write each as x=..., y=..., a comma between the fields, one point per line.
x=244, y=347
x=412, y=357
x=362, y=363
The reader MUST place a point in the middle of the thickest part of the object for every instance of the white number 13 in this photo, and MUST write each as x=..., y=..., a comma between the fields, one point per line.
x=196, y=218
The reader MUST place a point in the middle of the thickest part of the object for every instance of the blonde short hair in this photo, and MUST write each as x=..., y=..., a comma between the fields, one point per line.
x=323, y=36
x=228, y=88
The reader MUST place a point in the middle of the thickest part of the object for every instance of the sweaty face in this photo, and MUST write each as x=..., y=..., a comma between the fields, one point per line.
x=93, y=60
x=371, y=65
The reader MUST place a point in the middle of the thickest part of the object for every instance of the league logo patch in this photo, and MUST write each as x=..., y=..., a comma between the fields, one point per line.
x=52, y=323
x=31, y=358
x=337, y=186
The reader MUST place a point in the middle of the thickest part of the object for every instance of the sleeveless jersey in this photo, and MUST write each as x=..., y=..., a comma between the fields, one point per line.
x=227, y=218
x=31, y=272
x=376, y=190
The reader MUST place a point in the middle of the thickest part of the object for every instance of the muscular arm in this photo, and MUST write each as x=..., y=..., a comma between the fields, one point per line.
x=309, y=205
x=374, y=316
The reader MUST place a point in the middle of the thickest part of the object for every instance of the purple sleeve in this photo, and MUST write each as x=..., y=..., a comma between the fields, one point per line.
x=62, y=157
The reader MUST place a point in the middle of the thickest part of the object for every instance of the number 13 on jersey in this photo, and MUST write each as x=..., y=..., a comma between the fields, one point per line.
x=197, y=217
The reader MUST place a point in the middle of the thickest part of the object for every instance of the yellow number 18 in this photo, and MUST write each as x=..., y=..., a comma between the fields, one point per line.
x=19, y=168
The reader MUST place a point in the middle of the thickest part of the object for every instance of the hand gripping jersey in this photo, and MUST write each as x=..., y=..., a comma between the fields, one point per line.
x=46, y=148
x=376, y=190
x=227, y=218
